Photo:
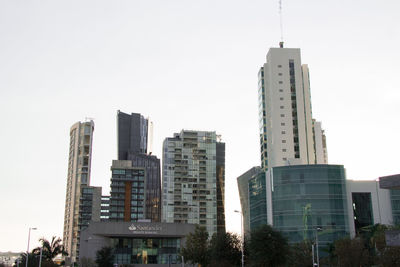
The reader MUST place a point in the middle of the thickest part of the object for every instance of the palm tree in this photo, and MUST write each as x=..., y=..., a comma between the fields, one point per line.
x=52, y=249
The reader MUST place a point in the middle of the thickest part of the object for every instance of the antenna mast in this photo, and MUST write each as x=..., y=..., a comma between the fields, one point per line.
x=281, y=23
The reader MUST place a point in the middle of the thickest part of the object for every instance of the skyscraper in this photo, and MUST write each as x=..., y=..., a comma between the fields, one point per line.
x=293, y=182
x=194, y=180
x=136, y=181
x=79, y=163
x=285, y=116
x=133, y=133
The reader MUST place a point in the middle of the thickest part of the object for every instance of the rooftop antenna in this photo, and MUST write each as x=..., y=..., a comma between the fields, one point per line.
x=89, y=119
x=281, y=23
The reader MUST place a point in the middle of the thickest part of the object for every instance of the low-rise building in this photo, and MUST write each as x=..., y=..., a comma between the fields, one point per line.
x=138, y=243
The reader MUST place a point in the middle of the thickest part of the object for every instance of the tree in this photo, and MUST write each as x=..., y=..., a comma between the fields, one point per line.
x=351, y=252
x=300, y=254
x=105, y=257
x=390, y=257
x=225, y=250
x=376, y=242
x=196, y=247
x=374, y=235
x=50, y=250
x=267, y=247
x=33, y=260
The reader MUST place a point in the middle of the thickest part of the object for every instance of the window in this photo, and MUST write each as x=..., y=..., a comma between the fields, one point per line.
x=284, y=141
x=279, y=66
x=280, y=82
x=280, y=74
x=283, y=132
x=284, y=158
x=282, y=115
x=282, y=107
x=282, y=124
x=280, y=90
x=281, y=98
x=284, y=150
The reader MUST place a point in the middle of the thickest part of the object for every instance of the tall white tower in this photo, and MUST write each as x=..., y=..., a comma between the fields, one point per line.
x=79, y=163
x=286, y=124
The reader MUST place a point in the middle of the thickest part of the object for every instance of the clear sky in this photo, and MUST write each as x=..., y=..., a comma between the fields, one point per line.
x=187, y=65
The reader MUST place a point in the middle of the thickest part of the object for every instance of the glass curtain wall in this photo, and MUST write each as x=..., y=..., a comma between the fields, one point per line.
x=258, y=200
x=310, y=199
x=146, y=250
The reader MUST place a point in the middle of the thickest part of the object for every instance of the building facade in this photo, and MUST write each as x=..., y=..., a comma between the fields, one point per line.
x=320, y=148
x=370, y=203
x=257, y=200
x=105, y=208
x=243, y=186
x=90, y=206
x=305, y=198
x=133, y=134
x=79, y=165
x=137, y=243
x=127, y=196
x=134, y=144
x=194, y=180
x=285, y=116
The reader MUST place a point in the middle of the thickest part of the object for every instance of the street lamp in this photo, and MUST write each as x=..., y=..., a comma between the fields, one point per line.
x=241, y=226
x=317, y=229
x=27, y=250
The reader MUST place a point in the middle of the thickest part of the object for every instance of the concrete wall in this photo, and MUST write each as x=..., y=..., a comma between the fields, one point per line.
x=380, y=198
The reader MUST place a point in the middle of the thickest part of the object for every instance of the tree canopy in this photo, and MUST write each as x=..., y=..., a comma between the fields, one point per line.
x=225, y=250
x=105, y=257
x=300, y=255
x=50, y=250
x=196, y=248
x=267, y=247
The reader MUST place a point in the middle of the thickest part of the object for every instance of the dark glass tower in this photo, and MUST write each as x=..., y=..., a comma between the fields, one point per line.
x=132, y=133
x=129, y=202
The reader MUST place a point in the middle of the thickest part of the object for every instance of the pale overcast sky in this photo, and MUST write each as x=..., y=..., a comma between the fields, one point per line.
x=187, y=65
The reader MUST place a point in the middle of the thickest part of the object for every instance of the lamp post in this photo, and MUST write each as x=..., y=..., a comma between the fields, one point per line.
x=316, y=243
x=27, y=250
x=40, y=259
x=241, y=226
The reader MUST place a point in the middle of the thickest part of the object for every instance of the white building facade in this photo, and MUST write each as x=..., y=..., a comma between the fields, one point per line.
x=79, y=165
x=287, y=135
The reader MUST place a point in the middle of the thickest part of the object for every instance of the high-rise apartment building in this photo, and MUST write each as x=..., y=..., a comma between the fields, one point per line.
x=132, y=199
x=293, y=157
x=194, y=180
x=90, y=206
x=79, y=163
x=286, y=125
x=127, y=197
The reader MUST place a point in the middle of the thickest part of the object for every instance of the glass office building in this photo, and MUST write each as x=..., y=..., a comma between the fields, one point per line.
x=310, y=197
x=258, y=200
